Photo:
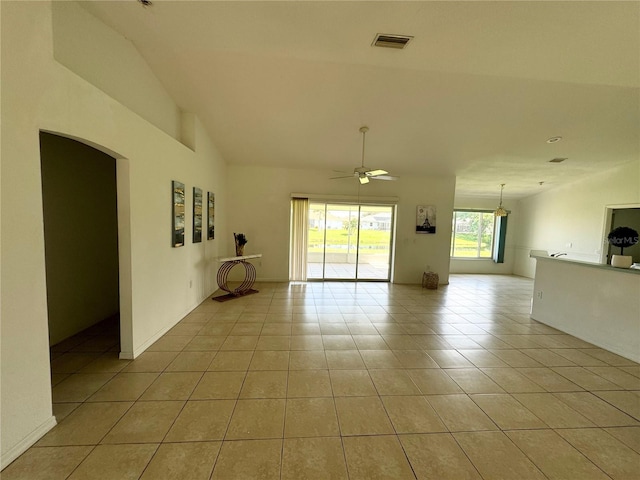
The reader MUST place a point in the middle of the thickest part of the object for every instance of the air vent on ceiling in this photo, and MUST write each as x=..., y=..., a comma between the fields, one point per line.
x=391, y=41
x=557, y=160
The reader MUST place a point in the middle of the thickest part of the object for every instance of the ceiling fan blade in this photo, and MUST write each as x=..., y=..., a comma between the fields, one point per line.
x=346, y=176
x=363, y=179
x=375, y=173
x=384, y=177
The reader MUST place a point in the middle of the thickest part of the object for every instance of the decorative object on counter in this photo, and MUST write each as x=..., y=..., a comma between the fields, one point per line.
x=241, y=241
x=211, y=205
x=426, y=219
x=197, y=215
x=430, y=279
x=500, y=211
x=622, y=237
x=177, y=217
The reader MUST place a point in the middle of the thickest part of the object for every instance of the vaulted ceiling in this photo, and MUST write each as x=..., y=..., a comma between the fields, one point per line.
x=476, y=93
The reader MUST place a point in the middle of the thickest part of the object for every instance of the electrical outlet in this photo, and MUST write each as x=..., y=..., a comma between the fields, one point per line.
x=539, y=295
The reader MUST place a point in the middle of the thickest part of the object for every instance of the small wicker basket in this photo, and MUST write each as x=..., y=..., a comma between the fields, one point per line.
x=430, y=280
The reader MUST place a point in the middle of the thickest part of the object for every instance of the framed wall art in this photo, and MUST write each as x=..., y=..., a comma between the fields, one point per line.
x=177, y=219
x=197, y=215
x=426, y=219
x=211, y=210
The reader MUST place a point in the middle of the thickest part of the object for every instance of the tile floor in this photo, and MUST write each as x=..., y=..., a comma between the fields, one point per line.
x=345, y=380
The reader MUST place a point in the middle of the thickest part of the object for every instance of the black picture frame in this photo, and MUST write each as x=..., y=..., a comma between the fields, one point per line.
x=178, y=213
x=197, y=215
x=211, y=208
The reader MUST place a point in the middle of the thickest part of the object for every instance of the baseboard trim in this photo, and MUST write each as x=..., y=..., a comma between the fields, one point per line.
x=27, y=442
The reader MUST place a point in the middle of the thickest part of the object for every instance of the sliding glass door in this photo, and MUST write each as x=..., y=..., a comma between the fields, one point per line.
x=349, y=242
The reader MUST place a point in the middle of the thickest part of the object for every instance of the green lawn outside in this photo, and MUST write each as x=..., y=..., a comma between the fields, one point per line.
x=379, y=240
x=466, y=246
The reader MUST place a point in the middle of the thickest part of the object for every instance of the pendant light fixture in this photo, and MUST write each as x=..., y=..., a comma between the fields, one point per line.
x=500, y=211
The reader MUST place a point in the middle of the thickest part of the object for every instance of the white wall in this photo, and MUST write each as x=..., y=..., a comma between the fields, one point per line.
x=571, y=218
x=488, y=265
x=81, y=235
x=261, y=204
x=40, y=94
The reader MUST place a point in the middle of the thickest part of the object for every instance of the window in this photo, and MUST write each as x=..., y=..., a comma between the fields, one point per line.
x=472, y=235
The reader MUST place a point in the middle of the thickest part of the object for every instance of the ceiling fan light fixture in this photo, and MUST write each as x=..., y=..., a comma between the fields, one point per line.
x=375, y=173
x=500, y=211
x=363, y=179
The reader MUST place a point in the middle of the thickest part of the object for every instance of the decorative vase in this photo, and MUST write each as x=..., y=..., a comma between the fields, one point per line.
x=239, y=250
x=621, y=261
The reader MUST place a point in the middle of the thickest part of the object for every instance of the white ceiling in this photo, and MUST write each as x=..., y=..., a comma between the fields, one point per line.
x=476, y=93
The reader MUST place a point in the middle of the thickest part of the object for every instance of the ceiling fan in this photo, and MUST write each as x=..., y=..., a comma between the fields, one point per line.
x=364, y=174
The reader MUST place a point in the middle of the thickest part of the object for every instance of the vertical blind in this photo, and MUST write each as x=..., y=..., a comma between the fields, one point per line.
x=299, y=228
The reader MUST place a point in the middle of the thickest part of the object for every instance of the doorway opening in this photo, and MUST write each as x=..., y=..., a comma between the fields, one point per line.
x=349, y=242
x=79, y=196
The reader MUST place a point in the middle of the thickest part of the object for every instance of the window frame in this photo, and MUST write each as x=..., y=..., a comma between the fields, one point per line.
x=493, y=235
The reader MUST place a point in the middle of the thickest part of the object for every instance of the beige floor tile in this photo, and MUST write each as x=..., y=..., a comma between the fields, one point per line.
x=172, y=386
x=628, y=402
x=596, y=410
x=219, y=385
x=276, y=329
x=189, y=329
x=412, y=414
x=270, y=360
x=108, y=462
x=449, y=359
x=379, y=359
x=432, y=342
x=460, y=414
x=311, y=417
x=145, y=422
x=171, y=343
x=344, y=360
x=609, y=357
x=362, y=416
x=507, y=412
x=124, y=387
x=586, y=379
x=307, y=342
x=86, y=425
x=370, y=342
x=257, y=419
x=617, y=376
x=202, y=420
x=393, y=382
x=512, y=381
x=79, y=386
x=414, y=359
x=62, y=410
x=432, y=381
x=46, y=463
x=313, y=458
x=218, y=329
x=107, y=363
x=191, y=362
x=308, y=360
x=400, y=342
x=611, y=455
x=249, y=459
x=437, y=456
x=305, y=329
x=265, y=384
x=151, y=362
x=273, y=342
x=376, y=458
x=483, y=358
x=309, y=383
x=334, y=328
x=181, y=461
x=552, y=410
x=352, y=383
x=515, y=358
x=472, y=380
x=578, y=357
x=549, y=380
x=630, y=436
x=240, y=342
x=547, y=357
x=554, y=456
x=246, y=329
x=495, y=456
x=338, y=342
x=205, y=343
x=365, y=328
x=231, y=361
x=72, y=362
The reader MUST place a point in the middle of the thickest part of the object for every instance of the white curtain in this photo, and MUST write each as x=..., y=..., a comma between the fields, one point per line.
x=299, y=228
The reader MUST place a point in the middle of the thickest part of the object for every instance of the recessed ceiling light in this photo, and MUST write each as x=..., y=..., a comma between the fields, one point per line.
x=391, y=41
x=554, y=139
x=557, y=160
